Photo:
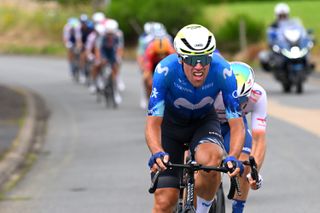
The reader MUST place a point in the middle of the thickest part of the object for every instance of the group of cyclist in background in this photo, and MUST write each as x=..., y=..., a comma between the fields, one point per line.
x=154, y=44
x=92, y=45
x=96, y=43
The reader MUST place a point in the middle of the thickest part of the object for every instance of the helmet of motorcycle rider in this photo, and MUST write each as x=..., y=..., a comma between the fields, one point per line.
x=245, y=79
x=281, y=11
x=98, y=17
x=194, y=40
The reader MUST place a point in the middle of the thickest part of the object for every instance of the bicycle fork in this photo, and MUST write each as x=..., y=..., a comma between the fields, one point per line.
x=190, y=193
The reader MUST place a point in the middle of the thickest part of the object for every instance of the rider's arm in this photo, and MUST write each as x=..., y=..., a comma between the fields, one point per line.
x=153, y=133
x=148, y=58
x=98, y=45
x=78, y=36
x=156, y=109
x=233, y=114
x=258, y=146
x=120, y=49
x=237, y=135
x=140, y=51
x=259, y=124
x=66, y=36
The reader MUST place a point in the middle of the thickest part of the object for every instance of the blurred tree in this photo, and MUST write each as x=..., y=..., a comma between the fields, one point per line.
x=132, y=14
x=96, y=4
x=228, y=35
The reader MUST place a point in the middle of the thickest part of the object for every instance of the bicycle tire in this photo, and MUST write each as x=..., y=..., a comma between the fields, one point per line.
x=109, y=93
x=218, y=206
x=98, y=94
x=75, y=66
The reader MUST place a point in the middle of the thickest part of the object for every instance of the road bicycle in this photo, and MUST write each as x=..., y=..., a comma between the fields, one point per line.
x=187, y=181
x=106, y=87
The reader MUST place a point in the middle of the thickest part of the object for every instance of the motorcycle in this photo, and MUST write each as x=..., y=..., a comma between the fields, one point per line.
x=289, y=57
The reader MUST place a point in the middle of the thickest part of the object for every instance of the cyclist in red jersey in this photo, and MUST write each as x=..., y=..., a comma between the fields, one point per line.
x=156, y=50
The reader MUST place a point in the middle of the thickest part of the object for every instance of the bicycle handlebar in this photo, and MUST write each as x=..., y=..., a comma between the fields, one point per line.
x=253, y=165
x=234, y=183
x=197, y=167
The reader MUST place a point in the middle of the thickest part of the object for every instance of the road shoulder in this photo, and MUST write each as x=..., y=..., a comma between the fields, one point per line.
x=27, y=143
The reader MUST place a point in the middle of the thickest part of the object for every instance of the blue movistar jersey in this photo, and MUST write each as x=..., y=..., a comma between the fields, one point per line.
x=171, y=90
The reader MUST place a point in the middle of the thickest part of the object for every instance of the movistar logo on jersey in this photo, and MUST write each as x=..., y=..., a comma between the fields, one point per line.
x=182, y=102
x=154, y=93
x=161, y=70
x=235, y=94
x=157, y=110
x=227, y=73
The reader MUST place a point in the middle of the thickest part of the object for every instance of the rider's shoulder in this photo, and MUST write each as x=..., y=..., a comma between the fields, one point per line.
x=219, y=64
x=168, y=66
x=258, y=91
x=258, y=86
x=171, y=60
x=219, y=60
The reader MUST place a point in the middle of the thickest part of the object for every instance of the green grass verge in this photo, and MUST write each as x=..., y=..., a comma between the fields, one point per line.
x=54, y=49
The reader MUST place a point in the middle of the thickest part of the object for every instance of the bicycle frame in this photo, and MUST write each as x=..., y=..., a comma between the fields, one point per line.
x=191, y=168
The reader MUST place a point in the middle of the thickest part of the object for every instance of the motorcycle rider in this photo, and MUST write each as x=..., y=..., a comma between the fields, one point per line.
x=268, y=58
x=281, y=12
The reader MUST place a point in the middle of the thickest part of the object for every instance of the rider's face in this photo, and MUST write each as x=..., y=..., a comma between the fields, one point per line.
x=197, y=71
x=282, y=16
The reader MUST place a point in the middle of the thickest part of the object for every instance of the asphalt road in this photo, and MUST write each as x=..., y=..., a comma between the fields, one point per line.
x=95, y=159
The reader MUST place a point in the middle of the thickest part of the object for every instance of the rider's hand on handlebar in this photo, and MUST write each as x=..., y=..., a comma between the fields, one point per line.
x=158, y=160
x=253, y=184
x=235, y=166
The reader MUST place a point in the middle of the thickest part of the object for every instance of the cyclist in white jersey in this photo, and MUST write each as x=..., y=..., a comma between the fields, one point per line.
x=253, y=100
x=72, y=40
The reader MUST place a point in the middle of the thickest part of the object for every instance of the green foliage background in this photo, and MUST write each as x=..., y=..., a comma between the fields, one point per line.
x=40, y=30
x=132, y=14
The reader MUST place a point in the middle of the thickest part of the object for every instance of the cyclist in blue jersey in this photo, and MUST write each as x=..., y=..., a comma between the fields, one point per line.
x=181, y=110
x=86, y=28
